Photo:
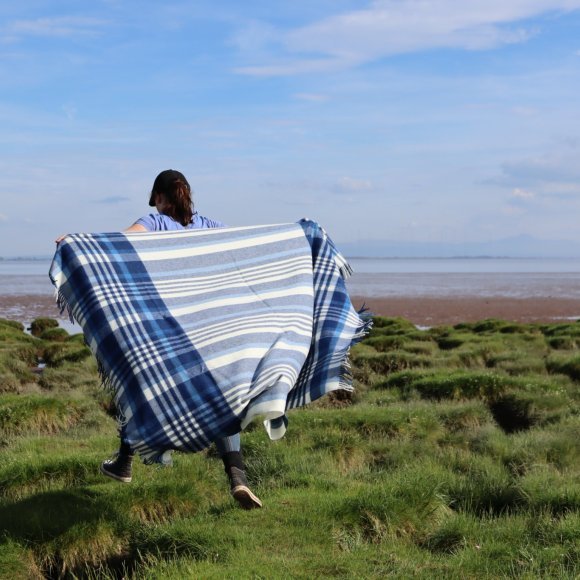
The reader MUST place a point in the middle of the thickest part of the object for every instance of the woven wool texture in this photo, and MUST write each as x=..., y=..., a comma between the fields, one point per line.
x=198, y=332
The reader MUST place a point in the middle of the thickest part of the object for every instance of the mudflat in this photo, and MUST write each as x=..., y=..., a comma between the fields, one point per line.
x=433, y=311
x=421, y=310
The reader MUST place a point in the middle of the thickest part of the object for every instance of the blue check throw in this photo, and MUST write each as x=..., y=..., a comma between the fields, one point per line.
x=198, y=332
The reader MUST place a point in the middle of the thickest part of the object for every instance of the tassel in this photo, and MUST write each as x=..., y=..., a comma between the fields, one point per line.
x=63, y=305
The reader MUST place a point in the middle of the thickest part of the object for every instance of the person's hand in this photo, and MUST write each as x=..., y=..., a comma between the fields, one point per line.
x=60, y=238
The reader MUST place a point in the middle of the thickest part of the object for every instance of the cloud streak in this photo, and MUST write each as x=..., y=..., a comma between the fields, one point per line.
x=390, y=27
x=55, y=27
x=350, y=185
x=541, y=172
x=112, y=200
x=519, y=193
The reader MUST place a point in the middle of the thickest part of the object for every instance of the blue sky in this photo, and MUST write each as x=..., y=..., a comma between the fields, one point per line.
x=412, y=120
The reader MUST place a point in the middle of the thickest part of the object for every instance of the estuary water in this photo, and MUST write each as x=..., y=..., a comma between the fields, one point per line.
x=511, y=277
x=27, y=293
x=485, y=277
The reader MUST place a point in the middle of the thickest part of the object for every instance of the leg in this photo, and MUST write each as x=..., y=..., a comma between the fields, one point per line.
x=120, y=466
x=231, y=453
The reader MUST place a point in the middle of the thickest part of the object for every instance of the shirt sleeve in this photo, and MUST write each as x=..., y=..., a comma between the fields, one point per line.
x=201, y=221
x=148, y=222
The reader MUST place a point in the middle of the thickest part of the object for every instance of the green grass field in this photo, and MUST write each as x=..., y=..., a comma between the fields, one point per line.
x=457, y=456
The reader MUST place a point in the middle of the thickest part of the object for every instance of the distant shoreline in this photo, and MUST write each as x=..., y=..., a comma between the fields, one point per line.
x=483, y=257
x=360, y=257
x=26, y=259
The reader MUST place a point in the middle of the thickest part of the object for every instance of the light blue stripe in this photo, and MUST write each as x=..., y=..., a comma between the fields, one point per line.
x=224, y=267
x=249, y=237
x=206, y=305
x=288, y=346
x=194, y=323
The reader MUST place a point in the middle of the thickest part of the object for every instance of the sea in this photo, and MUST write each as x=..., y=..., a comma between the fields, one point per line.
x=481, y=277
x=26, y=291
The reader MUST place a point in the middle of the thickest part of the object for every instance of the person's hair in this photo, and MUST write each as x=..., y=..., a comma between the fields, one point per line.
x=177, y=193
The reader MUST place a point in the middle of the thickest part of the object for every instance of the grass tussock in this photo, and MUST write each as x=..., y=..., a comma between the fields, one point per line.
x=569, y=366
x=38, y=414
x=456, y=456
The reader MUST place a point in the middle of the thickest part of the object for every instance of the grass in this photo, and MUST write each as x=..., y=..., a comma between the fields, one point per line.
x=456, y=457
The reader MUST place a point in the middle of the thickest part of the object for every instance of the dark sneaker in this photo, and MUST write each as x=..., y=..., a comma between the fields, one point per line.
x=119, y=468
x=240, y=490
x=244, y=496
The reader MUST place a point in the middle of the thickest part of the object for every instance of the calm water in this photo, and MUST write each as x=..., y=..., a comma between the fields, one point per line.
x=510, y=277
x=27, y=293
x=465, y=265
x=518, y=278
x=20, y=277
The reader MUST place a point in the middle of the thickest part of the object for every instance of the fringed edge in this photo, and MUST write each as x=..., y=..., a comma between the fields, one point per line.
x=366, y=323
x=106, y=381
x=345, y=377
x=341, y=262
x=316, y=230
x=62, y=304
x=109, y=387
x=345, y=269
x=104, y=376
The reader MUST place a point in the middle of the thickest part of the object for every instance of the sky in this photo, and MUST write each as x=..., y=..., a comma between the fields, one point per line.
x=414, y=120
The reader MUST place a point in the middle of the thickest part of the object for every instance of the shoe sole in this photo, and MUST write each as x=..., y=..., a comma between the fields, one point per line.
x=115, y=477
x=246, y=498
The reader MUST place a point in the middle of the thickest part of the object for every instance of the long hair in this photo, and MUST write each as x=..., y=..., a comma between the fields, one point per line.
x=177, y=192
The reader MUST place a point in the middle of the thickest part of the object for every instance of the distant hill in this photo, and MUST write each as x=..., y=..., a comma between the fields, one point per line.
x=515, y=247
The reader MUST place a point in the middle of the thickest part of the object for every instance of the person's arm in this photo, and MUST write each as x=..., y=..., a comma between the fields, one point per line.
x=136, y=228
x=133, y=228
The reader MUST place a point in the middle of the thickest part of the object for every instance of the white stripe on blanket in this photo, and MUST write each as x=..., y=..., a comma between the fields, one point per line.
x=199, y=332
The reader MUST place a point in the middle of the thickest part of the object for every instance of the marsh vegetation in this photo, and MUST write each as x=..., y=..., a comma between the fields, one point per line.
x=457, y=456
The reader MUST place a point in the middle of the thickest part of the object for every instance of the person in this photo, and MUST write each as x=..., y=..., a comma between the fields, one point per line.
x=171, y=196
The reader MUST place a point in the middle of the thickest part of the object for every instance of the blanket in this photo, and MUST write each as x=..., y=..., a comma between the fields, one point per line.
x=198, y=332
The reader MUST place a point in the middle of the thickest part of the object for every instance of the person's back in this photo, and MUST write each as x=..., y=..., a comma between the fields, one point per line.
x=171, y=197
x=160, y=222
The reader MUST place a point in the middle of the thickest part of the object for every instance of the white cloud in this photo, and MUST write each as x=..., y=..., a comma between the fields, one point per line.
x=556, y=172
x=293, y=67
x=254, y=36
x=350, y=185
x=389, y=27
x=112, y=199
x=522, y=193
x=63, y=26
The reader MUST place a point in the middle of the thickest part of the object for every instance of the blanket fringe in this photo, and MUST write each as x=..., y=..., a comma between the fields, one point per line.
x=106, y=381
x=345, y=378
x=63, y=305
x=366, y=323
x=345, y=269
x=109, y=387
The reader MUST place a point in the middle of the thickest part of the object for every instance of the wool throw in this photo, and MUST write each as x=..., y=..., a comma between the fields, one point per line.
x=198, y=332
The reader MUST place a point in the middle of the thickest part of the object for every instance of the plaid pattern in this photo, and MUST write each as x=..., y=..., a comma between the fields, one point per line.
x=197, y=332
